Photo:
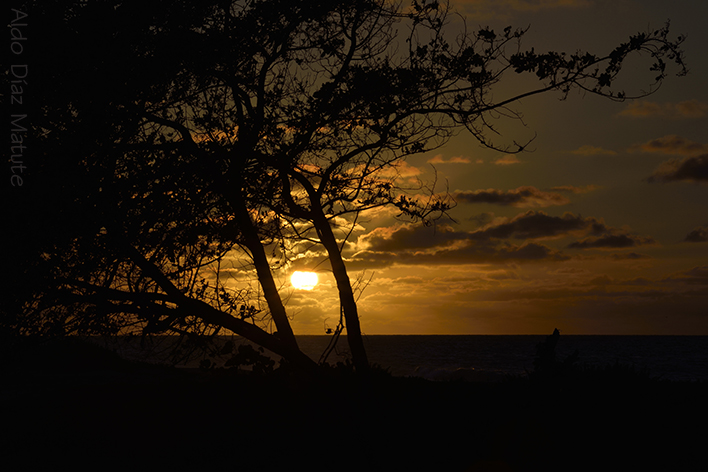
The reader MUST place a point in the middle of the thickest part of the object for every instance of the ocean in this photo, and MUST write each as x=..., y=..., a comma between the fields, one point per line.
x=492, y=357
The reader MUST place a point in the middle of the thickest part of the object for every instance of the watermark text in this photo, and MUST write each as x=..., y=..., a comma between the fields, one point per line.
x=19, y=72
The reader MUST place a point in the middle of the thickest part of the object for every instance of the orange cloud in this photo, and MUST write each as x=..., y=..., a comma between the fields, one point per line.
x=576, y=190
x=438, y=159
x=692, y=109
x=642, y=109
x=588, y=150
x=685, y=109
x=400, y=169
x=507, y=160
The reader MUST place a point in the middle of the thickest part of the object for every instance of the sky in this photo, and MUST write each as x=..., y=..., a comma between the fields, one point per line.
x=600, y=228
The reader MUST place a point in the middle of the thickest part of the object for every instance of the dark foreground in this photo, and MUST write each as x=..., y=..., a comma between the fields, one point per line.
x=104, y=413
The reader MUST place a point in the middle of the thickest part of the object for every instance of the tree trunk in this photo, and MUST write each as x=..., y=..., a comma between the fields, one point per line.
x=263, y=270
x=280, y=345
x=277, y=345
x=346, y=294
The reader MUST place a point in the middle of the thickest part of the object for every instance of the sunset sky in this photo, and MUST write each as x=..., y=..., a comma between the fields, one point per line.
x=602, y=228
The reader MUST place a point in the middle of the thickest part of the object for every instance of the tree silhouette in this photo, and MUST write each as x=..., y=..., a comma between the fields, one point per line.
x=169, y=135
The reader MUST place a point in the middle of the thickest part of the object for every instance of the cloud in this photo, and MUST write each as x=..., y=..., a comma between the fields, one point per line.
x=416, y=244
x=692, y=109
x=612, y=241
x=410, y=236
x=409, y=280
x=642, y=109
x=576, y=190
x=529, y=226
x=529, y=252
x=631, y=256
x=522, y=197
x=698, y=235
x=671, y=144
x=539, y=225
x=685, y=109
x=472, y=252
x=694, y=276
x=689, y=169
x=400, y=169
x=438, y=159
x=482, y=219
x=588, y=150
x=507, y=160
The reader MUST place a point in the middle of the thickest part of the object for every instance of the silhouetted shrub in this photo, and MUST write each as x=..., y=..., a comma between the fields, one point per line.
x=546, y=366
x=247, y=357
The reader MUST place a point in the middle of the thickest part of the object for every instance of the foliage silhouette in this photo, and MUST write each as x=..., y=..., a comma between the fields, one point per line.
x=549, y=369
x=171, y=136
x=546, y=365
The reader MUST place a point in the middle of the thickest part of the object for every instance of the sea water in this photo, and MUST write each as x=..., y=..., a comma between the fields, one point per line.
x=495, y=356
x=492, y=357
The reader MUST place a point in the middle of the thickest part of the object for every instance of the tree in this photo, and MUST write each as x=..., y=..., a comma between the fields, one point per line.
x=249, y=125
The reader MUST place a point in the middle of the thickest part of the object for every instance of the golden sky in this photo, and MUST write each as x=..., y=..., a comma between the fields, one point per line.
x=602, y=228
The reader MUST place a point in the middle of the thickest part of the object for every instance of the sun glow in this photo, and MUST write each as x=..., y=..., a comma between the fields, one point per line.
x=303, y=280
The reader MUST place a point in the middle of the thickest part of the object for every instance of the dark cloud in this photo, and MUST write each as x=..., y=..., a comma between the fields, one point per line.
x=672, y=144
x=470, y=253
x=522, y=197
x=525, y=226
x=416, y=244
x=637, y=282
x=539, y=225
x=365, y=260
x=482, y=219
x=691, y=169
x=601, y=280
x=630, y=256
x=532, y=251
x=695, y=276
x=612, y=241
x=410, y=236
x=698, y=235
x=487, y=252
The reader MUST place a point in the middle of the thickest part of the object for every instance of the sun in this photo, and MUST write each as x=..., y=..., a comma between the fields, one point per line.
x=303, y=280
